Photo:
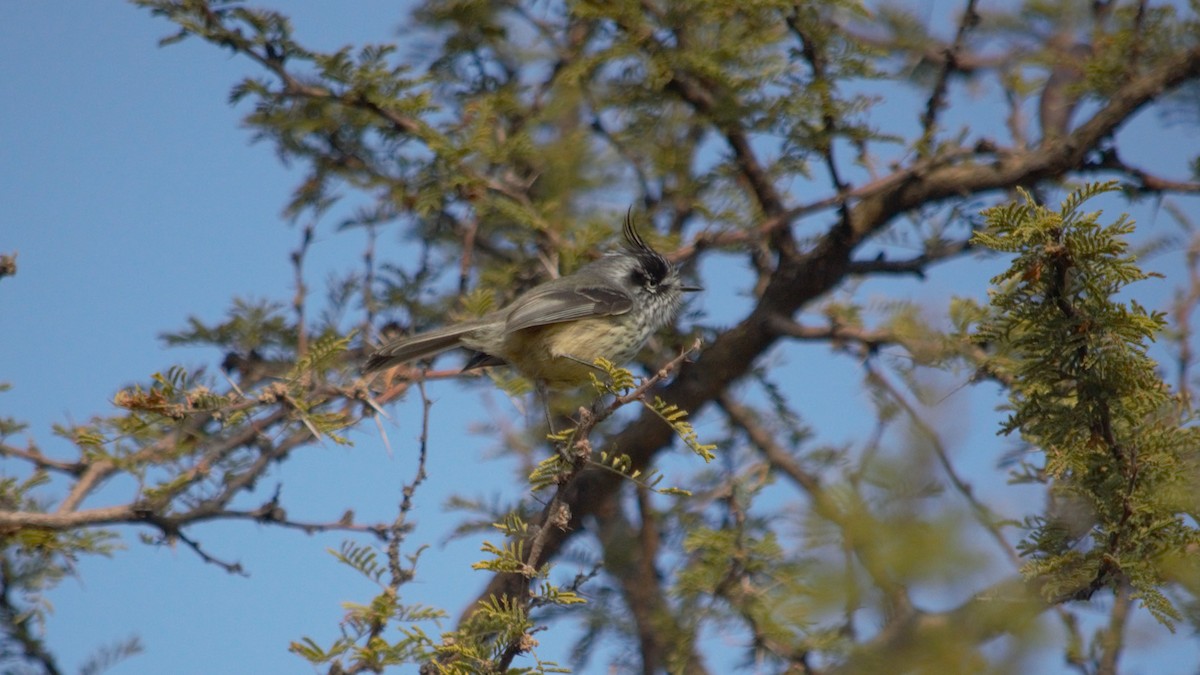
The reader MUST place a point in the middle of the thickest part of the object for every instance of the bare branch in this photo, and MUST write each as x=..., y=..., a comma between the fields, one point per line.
x=983, y=515
x=170, y=535
x=563, y=513
x=870, y=339
x=824, y=504
x=298, y=300
x=937, y=98
x=1112, y=639
x=936, y=251
x=1145, y=182
x=395, y=534
x=36, y=458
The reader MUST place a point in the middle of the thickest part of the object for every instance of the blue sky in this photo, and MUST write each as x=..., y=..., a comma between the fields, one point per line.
x=135, y=200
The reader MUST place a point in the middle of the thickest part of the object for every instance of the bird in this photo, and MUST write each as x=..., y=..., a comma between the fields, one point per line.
x=553, y=333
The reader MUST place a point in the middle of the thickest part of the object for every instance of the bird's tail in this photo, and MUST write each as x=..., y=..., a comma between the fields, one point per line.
x=419, y=346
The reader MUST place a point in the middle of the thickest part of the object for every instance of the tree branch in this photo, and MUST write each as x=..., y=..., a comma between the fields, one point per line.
x=935, y=251
x=1003, y=607
x=630, y=557
x=937, y=98
x=36, y=458
x=1146, y=182
x=559, y=517
x=19, y=623
x=799, y=279
x=823, y=504
x=983, y=515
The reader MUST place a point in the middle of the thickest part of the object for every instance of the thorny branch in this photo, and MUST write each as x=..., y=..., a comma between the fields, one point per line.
x=394, y=535
x=173, y=508
x=37, y=459
x=937, y=98
x=557, y=515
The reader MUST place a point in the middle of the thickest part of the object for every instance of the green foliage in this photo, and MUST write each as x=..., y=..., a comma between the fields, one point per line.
x=480, y=643
x=754, y=575
x=322, y=356
x=33, y=561
x=616, y=380
x=362, y=559
x=555, y=469
x=365, y=642
x=109, y=656
x=508, y=559
x=252, y=325
x=674, y=417
x=1086, y=394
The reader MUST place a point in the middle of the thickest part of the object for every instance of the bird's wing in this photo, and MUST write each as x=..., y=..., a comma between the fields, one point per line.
x=420, y=346
x=554, y=304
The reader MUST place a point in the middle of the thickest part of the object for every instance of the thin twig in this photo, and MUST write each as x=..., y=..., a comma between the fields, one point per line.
x=937, y=98
x=937, y=251
x=35, y=457
x=298, y=300
x=1112, y=638
x=557, y=512
x=170, y=534
x=399, y=526
x=983, y=515
x=1146, y=182
x=370, y=304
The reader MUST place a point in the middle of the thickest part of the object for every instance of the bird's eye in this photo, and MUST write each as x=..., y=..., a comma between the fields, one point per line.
x=648, y=279
x=639, y=278
x=650, y=272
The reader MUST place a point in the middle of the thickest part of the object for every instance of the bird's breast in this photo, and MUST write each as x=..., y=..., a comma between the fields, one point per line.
x=561, y=354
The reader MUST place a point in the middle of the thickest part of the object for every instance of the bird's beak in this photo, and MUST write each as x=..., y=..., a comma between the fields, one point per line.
x=690, y=289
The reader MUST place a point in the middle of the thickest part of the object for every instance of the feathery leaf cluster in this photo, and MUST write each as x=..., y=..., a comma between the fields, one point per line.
x=1086, y=394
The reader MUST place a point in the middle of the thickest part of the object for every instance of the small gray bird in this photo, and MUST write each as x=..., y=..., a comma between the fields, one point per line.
x=553, y=333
